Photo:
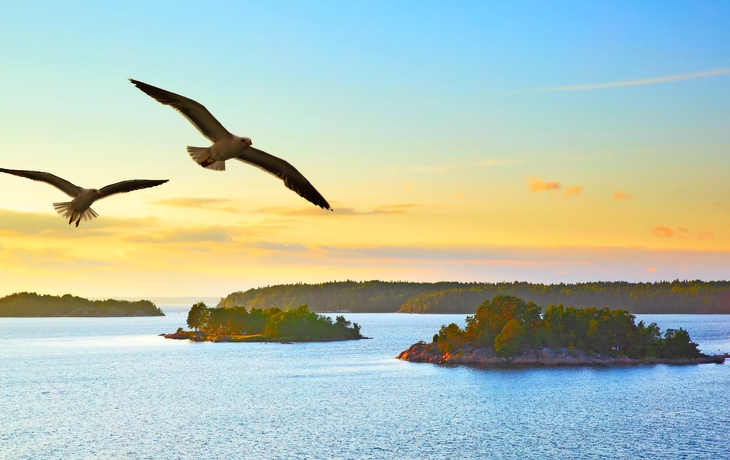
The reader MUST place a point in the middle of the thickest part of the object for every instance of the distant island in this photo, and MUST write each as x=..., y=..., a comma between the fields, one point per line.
x=507, y=331
x=271, y=325
x=451, y=297
x=30, y=304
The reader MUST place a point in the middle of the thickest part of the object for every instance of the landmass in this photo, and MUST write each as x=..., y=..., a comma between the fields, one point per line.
x=30, y=304
x=685, y=297
x=507, y=331
x=271, y=325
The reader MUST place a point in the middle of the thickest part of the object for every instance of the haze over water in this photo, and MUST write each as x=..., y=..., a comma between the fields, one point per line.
x=111, y=388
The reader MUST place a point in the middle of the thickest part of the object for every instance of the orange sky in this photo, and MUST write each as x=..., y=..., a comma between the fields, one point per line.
x=501, y=148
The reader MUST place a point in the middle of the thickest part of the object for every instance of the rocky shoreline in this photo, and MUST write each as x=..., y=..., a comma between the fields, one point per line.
x=255, y=338
x=430, y=353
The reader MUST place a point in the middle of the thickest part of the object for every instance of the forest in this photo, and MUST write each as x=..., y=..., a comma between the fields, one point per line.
x=453, y=297
x=511, y=326
x=296, y=324
x=30, y=304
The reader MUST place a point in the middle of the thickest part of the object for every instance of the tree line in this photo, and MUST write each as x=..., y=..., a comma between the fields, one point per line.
x=297, y=324
x=354, y=296
x=453, y=297
x=510, y=326
x=31, y=304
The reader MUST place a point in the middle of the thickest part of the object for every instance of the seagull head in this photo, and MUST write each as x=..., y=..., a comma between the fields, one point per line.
x=246, y=140
x=101, y=195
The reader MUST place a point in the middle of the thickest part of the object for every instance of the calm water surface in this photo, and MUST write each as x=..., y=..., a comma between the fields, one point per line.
x=111, y=388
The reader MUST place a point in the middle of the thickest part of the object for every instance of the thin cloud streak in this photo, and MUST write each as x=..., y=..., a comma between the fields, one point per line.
x=398, y=208
x=197, y=203
x=572, y=191
x=539, y=185
x=646, y=81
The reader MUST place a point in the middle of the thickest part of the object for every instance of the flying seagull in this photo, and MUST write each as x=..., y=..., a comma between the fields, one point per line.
x=226, y=145
x=79, y=208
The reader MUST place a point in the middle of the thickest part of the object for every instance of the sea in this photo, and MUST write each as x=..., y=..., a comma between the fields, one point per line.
x=78, y=388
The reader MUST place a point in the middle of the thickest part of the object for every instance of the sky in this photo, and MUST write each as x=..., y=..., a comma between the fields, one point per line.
x=467, y=141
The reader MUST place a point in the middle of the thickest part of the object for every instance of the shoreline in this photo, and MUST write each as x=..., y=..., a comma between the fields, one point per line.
x=253, y=338
x=545, y=357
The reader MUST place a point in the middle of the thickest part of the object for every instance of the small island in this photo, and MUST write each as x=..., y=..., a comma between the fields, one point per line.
x=237, y=324
x=30, y=304
x=507, y=331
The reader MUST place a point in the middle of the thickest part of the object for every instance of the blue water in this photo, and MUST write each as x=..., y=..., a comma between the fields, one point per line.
x=111, y=388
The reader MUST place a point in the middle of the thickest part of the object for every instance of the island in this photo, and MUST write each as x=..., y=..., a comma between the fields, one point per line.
x=237, y=324
x=507, y=331
x=30, y=304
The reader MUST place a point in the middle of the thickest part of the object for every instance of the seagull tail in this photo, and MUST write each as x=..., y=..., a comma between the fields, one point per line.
x=201, y=155
x=67, y=211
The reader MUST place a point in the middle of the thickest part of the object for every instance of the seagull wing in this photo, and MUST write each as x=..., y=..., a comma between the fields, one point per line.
x=195, y=112
x=129, y=186
x=293, y=179
x=62, y=184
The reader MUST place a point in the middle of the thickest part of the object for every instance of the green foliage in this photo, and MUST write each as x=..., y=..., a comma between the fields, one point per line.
x=508, y=324
x=451, y=297
x=198, y=316
x=451, y=337
x=367, y=296
x=676, y=344
x=661, y=297
x=493, y=315
x=30, y=304
x=508, y=342
x=298, y=324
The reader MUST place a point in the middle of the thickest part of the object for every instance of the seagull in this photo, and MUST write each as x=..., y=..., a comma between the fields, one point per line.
x=79, y=208
x=226, y=145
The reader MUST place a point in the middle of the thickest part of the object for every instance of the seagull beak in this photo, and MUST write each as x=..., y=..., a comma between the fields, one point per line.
x=100, y=194
x=250, y=142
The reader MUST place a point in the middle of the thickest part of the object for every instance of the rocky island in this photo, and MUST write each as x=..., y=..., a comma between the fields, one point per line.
x=506, y=331
x=30, y=304
x=237, y=324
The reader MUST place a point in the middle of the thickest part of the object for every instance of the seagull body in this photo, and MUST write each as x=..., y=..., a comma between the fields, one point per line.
x=80, y=207
x=226, y=145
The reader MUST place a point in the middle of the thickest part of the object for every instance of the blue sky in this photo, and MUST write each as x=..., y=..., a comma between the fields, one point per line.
x=426, y=124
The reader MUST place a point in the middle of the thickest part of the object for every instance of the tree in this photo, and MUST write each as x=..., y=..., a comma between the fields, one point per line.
x=450, y=337
x=198, y=316
x=676, y=344
x=493, y=315
x=509, y=340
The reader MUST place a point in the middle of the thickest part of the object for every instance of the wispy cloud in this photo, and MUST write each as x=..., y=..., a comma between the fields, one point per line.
x=270, y=246
x=645, y=81
x=574, y=190
x=621, y=196
x=185, y=235
x=682, y=233
x=539, y=185
x=662, y=231
x=198, y=203
x=51, y=226
x=398, y=208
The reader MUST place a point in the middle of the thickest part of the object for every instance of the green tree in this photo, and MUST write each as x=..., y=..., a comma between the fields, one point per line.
x=677, y=344
x=510, y=338
x=493, y=315
x=198, y=316
x=450, y=337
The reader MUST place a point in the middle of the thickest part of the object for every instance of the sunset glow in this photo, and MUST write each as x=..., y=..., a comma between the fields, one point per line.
x=424, y=128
